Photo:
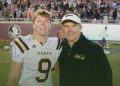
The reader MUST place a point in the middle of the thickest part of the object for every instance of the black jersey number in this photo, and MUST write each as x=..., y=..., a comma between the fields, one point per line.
x=44, y=71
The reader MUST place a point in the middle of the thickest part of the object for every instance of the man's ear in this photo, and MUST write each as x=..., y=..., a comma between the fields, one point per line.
x=80, y=26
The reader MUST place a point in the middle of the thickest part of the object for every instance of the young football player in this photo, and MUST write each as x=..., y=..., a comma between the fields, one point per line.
x=34, y=56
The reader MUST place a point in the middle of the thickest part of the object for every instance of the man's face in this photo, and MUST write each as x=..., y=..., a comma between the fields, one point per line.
x=41, y=25
x=71, y=31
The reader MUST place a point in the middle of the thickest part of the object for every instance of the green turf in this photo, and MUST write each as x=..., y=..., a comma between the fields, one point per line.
x=4, y=63
x=114, y=59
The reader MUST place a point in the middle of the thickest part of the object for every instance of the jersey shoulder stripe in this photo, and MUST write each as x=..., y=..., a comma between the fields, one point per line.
x=59, y=45
x=21, y=45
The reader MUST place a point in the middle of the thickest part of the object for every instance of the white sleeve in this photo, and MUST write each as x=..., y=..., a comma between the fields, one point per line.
x=17, y=55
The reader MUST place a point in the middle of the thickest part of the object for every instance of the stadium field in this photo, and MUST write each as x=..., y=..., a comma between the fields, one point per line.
x=5, y=59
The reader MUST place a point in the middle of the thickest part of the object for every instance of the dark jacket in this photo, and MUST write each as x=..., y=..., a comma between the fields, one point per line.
x=85, y=64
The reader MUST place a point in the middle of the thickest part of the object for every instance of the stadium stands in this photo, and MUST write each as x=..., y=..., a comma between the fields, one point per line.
x=97, y=11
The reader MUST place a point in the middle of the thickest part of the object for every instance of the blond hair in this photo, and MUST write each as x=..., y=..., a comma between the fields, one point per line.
x=43, y=13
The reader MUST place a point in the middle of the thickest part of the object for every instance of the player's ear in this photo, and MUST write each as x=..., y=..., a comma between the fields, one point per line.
x=50, y=26
x=33, y=26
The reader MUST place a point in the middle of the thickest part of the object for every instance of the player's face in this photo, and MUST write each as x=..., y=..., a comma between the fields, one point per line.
x=41, y=25
x=71, y=31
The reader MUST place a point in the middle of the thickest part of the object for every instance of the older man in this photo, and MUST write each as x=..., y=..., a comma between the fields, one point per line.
x=82, y=62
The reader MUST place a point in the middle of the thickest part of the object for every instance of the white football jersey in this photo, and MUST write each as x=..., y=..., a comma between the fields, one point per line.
x=37, y=59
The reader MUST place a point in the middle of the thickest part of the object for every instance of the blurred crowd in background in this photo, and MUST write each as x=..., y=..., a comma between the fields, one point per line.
x=97, y=11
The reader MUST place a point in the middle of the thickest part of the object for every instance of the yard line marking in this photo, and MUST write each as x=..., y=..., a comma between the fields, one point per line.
x=5, y=61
